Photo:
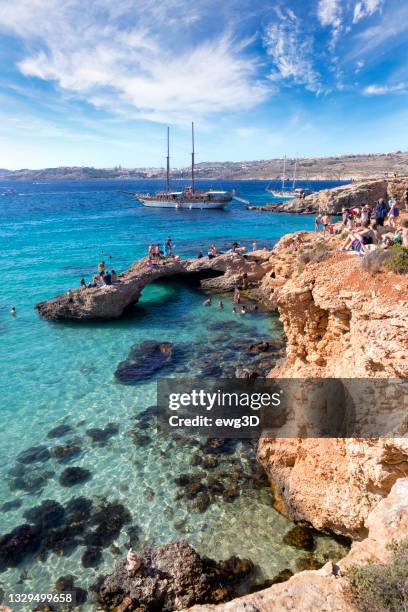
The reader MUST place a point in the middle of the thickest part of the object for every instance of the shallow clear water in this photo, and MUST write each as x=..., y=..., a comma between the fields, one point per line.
x=51, y=235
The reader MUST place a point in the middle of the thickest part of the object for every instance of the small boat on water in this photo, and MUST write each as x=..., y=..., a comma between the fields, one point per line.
x=288, y=194
x=189, y=198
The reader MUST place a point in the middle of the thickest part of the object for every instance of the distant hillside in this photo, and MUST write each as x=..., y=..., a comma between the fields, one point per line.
x=343, y=167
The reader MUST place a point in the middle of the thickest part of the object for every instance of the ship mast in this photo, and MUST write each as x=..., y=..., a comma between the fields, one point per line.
x=284, y=173
x=168, y=161
x=192, y=158
x=294, y=175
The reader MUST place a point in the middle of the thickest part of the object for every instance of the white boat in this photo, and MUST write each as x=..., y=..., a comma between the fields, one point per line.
x=189, y=198
x=186, y=200
x=288, y=194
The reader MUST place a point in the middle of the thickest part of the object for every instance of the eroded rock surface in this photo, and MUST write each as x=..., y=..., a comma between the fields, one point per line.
x=340, y=322
x=171, y=577
x=320, y=589
x=332, y=201
x=109, y=302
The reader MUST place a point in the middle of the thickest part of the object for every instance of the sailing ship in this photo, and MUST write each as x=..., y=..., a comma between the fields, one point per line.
x=189, y=198
x=288, y=194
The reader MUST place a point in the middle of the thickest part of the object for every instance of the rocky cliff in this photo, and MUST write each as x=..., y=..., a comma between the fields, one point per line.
x=322, y=590
x=340, y=322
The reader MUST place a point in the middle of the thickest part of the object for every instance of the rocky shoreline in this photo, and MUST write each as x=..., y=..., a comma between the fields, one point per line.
x=332, y=201
x=342, y=322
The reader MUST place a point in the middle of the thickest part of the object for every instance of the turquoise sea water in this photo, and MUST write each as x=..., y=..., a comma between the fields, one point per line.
x=52, y=234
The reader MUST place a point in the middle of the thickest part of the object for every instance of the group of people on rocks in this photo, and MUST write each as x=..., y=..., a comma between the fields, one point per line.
x=367, y=225
x=156, y=252
x=102, y=278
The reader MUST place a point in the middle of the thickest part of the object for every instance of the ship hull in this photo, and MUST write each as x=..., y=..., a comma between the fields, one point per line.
x=282, y=194
x=183, y=205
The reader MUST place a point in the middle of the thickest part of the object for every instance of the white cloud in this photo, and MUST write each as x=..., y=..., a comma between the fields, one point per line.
x=366, y=8
x=135, y=59
x=359, y=65
x=382, y=90
x=291, y=51
x=330, y=14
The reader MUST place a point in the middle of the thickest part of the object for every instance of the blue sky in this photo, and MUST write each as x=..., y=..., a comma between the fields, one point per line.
x=96, y=83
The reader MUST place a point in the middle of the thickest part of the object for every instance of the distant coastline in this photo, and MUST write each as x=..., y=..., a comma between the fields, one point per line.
x=340, y=168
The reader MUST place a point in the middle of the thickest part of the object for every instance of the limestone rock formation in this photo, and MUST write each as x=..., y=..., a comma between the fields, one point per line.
x=340, y=322
x=171, y=577
x=332, y=201
x=109, y=302
x=321, y=590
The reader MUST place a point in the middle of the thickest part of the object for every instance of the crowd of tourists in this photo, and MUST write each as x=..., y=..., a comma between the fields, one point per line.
x=367, y=227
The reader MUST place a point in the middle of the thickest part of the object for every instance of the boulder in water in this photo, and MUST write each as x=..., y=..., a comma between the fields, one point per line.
x=14, y=546
x=34, y=454
x=172, y=577
x=59, y=431
x=144, y=361
x=47, y=515
x=74, y=475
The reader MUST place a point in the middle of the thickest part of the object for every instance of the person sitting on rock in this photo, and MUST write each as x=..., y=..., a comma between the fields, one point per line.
x=83, y=283
x=101, y=266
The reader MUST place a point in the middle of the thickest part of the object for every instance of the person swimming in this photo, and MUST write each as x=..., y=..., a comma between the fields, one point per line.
x=243, y=310
x=220, y=305
x=207, y=302
x=13, y=311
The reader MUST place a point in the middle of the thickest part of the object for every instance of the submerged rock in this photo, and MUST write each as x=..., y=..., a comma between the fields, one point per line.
x=172, y=577
x=101, y=435
x=47, y=515
x=92, y=557
x=66, y=584
x=11, y=505
x=109, y=520
x=74, y=475
x=17, y=544
x=63, y=540
x=59, y=431
x=308, y=563
x=64, y=452
x=30, y=480
x=300, y=537
x=144, y=361
x=34, y=454
x=78, y=509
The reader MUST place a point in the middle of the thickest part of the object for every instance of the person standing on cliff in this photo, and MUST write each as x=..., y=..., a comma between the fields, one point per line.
x=393, y=214
x=381, y=211
x=326, y=220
